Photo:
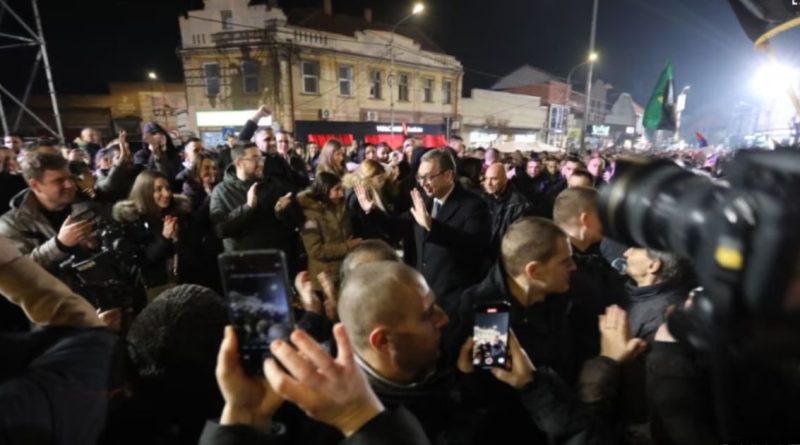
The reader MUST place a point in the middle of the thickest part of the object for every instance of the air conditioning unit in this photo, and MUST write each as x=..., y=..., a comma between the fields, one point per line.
x=372, y=116
x=325, y=114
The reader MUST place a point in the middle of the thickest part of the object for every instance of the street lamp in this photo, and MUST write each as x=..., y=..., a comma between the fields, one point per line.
x=592, y=36
x=593, y=57
x=152, y=75
x=418, y=8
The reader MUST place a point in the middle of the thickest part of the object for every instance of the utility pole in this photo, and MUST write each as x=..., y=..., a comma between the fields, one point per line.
x=589, y=75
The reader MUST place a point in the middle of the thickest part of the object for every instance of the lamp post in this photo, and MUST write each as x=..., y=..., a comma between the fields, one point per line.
x=390, y=80
x=152, y=77
x=592, y=36
x=592, y=58
x=680, y=105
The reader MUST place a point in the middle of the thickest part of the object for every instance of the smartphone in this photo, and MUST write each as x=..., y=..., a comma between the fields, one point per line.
x=257, y=294
x=490, y=333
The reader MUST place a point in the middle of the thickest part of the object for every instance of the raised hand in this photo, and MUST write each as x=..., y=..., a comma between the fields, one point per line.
x=170, y=230
x=283, y=202
x=310, y=302
x=335, y=392
x=331, y=296
x=615, y=337
x=419, y=211
x=364, y=200
x=72, y=233
x=248, y=400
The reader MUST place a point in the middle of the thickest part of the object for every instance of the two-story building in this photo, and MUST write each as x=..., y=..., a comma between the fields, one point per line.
x=322, y=74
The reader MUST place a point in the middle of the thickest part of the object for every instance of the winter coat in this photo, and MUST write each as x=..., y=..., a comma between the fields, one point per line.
x=31, y=232
x=506, y=208
x=243, y=228
x=362, y=227
x=325, y=232
x=159, y=254
x=204, y=245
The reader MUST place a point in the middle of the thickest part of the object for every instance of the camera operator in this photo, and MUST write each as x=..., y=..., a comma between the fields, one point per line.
x=48, y=226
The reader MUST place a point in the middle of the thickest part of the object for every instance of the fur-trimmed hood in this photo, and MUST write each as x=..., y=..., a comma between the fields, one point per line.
x=126, y=211
x=307, y=202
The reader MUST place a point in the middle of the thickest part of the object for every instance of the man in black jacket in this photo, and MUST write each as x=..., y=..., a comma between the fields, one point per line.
x=595, y=285
x=506, y=205
x=451, y=229
x=160, y=153
x=246, y=212
x=276, y=166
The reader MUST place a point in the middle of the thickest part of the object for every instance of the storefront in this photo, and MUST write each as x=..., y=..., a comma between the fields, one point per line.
x=370, y=132
x=214, y=126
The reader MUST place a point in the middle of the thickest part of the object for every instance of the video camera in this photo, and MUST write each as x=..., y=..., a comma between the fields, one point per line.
x=743, y=239
x=111, y=276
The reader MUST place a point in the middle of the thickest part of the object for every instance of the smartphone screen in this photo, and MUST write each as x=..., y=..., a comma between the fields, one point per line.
x=490, y=333
x=257, y=294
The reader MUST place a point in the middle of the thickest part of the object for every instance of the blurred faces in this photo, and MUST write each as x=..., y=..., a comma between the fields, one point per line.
x=191, y=150
x=533, y=169
x=551, y=166
x=313, y=149
x=162, y=193
x=552, y=276
x=595, y=167
x=495, y=179
x=434, y=182
x=593, y=228
x=370, y=153
x=382, y=153
x=90, y=135
x=155, y=139
x=336, y=193
x=338, y=157
x=415, y=342
x=209, y=172
x=263, y=140
x=568, y=168
x=251, y=166
x=56, y=189
x=282, y=142
x=641, y=268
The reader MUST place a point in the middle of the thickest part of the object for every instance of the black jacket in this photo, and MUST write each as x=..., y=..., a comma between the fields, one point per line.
x=451, y=256
x=506, y=208
x=169, y=164
x=243, y=228
x=276, y=167
x=54, y=385
x=392, y=427
x=647, y=307
x=10, y=185
x=204, y=246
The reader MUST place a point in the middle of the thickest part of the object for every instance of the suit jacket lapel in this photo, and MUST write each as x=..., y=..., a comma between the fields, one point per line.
x=450, y=206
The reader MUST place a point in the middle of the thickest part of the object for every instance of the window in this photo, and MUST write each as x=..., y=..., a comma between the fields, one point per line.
x=427, y=90
x=310, y=70
x=346, y=80
x=211, y=75
x=402, y=87
x=227, y=20
x=447, y=91
x=250, y=76
x=375, y=84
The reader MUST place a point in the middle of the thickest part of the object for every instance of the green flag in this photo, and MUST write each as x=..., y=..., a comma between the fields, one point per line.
x=660, y=112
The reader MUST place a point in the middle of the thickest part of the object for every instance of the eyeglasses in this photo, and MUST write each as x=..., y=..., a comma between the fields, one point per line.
x=429, y=178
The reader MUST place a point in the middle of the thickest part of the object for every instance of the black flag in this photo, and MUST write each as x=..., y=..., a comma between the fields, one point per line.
x=759, y=16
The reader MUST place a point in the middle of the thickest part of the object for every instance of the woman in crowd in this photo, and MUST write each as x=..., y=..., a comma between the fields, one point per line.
x=155, y=217
x=332, y=159
x=372, y=177
x=203, y=246
x=327, y=233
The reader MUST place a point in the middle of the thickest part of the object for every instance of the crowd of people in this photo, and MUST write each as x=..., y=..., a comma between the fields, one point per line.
x=108, y=262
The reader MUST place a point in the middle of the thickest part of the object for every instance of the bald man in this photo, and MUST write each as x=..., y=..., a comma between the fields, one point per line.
x=506, y=204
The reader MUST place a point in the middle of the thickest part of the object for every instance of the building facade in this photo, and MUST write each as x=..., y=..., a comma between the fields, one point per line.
x=490, y=118
x=322, y=74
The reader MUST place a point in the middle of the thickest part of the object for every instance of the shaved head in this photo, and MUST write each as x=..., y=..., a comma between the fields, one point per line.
x=376, y=294
x=369, y=251
x=496, y=180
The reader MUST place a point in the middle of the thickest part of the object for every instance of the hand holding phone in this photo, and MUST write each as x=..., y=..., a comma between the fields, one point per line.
x=490, y=334
x=256, y=284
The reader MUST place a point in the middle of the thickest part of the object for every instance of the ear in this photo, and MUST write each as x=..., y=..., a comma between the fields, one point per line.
x=531, y=268
x=654, y=267
x=34, y=185
x=379, y=339
x=583, y=218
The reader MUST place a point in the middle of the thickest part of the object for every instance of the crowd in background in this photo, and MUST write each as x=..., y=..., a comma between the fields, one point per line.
x=391, y=247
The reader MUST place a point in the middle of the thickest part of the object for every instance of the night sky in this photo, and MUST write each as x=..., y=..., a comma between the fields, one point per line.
x=94, y=42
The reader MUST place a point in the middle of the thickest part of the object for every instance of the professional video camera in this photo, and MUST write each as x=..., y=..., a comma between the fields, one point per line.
x=742, y=238
x=110, y=277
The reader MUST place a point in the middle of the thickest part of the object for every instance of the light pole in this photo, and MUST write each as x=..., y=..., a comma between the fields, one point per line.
x=152, y=76
x=680, y=105
x=589, y=75
x=592, y=58
x=390, y=80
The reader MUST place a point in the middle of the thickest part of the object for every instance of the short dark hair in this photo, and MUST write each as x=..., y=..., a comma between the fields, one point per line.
x=672, y=266
x=456, y=137
x=322, y=185
x=237, y=152
x=443, y=159
x=529, y=239
x=35, y=164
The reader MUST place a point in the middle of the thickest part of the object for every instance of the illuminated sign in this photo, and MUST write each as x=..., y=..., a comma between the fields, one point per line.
x=398, y=129
x=479, y=137
x=601, y=130
x=229, y=118
x=525, y=138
